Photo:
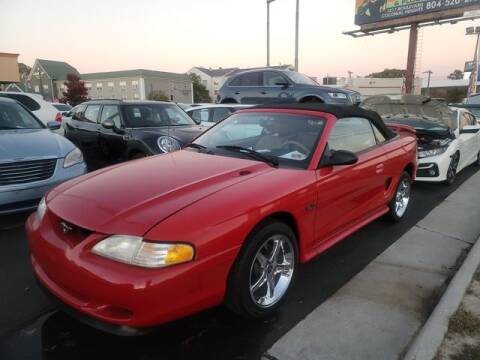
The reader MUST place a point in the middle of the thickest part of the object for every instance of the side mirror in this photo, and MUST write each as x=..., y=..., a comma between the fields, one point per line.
x=470, y=129
x=54, y=125
x=108, y=124
x=339, y=157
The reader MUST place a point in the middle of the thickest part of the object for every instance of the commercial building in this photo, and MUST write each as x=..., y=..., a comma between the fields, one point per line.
x=138, y=85
x=8, y=69
x=47, y=78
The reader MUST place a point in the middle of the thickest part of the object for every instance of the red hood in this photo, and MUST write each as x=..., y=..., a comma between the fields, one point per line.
x=131, y=198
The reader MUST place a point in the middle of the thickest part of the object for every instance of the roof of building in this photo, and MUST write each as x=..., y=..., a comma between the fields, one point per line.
x=217, y=72
x=133, y=73
x=57, y=70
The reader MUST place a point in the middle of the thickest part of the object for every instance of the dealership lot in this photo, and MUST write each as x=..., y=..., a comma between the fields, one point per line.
x=32, y=329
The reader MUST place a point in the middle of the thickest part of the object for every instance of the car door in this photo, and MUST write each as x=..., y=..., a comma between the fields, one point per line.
x=112, y=142
x=350, y=194
x=71, y=124
x=87, y=129
x=248, y=88
x=468, y=139
x=277, y=88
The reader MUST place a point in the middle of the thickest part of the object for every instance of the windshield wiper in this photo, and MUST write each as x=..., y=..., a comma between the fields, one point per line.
x=199, y=147
x=252, y=153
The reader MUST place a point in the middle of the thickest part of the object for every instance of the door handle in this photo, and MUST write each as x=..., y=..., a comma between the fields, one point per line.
x=263, y=92
x=237, y=92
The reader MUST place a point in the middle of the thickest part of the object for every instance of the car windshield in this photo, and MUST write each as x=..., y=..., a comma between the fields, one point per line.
x=14, y=116
x=155, y=115
x=420, y=124
x=282, y=138
x=298, y=78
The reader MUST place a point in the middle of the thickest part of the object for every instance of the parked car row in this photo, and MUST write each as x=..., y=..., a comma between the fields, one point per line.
x=237, y=205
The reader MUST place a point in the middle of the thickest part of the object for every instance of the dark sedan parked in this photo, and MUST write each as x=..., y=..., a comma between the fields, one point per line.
x=272, y=86
x=111, y=131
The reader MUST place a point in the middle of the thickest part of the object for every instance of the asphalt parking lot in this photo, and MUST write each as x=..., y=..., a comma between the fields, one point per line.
x=31, y=328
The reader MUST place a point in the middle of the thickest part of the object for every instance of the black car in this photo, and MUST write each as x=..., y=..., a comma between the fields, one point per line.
x=111, y=131
x=273, y=86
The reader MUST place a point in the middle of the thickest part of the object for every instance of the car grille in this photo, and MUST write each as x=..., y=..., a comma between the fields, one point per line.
x=22, y=172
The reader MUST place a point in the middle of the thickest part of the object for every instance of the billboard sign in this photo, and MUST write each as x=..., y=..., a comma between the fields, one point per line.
x=377, y=11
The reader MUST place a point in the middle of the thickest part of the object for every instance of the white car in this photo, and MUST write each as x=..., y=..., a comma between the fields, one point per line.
x=209, y=115
x=448, y=138
x=42, y=109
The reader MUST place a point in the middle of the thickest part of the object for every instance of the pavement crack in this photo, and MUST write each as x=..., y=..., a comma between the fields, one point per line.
x=446, y=235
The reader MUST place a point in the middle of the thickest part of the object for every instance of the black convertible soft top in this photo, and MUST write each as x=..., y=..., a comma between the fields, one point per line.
x=338, y=111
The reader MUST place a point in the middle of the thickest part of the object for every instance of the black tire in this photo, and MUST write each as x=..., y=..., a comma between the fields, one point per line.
x=394, y=214
x=239, y=298
x=452, y=170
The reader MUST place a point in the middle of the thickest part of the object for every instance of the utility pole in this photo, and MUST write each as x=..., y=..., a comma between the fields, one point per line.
x=412, y=55
x=268, y=31
x=296, y=34
x=429, y=72
x=472, y=88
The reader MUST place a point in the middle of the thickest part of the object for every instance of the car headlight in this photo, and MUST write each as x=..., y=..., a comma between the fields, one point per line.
x=134, y=250
x=432, y=152
x=337, y=95
x=41, y=209
x=74, y=157
x=168, y=144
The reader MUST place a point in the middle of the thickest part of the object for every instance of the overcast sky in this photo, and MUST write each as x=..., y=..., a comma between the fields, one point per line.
x=107, y=35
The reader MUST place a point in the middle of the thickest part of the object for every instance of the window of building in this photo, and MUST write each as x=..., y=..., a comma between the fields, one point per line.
x=37, y=88
x=99, y=85
x=45, y=87
x=88, y=85
x=123, y=83
x=135, y=84
x=111, y=84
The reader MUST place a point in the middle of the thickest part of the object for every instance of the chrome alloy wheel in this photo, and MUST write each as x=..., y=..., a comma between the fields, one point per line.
x=272, y=271
x=402, y=197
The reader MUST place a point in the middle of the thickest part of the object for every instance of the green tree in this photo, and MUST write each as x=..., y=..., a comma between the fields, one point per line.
x=388, y=73
x=158, y=95
x=76, y=92
x=200, y=92
x=456, y=75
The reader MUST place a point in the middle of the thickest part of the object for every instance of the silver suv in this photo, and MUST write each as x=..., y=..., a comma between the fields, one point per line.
x=272, y=86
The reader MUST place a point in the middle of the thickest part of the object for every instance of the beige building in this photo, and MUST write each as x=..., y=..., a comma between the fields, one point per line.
x=9, y=68
x=377, y=86
x=138, y=85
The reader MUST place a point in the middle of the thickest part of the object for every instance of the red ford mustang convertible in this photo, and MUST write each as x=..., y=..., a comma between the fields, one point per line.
x=226, y=220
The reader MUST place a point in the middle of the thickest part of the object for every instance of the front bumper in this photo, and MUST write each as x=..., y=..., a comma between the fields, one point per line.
x=25, y=197
x=123, y=297
x=433, y=169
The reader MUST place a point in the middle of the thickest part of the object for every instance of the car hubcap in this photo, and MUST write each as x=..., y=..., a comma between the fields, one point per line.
x=402, y=197
x=272, y=271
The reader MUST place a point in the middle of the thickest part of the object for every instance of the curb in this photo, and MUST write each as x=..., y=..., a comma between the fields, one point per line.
x=430, y=337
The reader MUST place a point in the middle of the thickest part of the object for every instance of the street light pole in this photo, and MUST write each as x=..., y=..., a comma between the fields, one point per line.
x=268, y=31
x=429, y=72
x=296, y=34
x=472, y=88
